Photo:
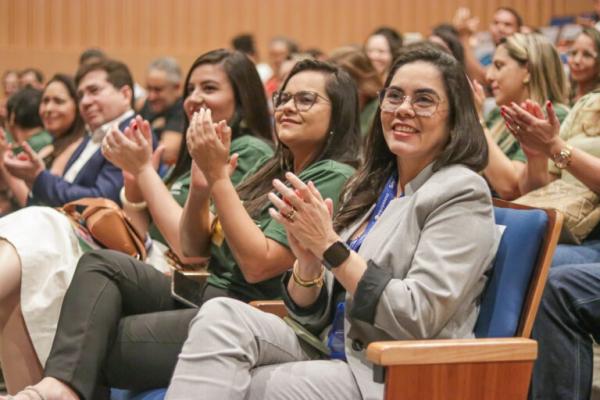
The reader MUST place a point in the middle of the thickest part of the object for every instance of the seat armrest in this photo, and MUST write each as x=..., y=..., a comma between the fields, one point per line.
x=445, y=351
x=271, y=306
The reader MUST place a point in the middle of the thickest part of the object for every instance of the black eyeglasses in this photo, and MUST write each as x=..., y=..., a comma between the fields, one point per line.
x=303, y=100
x=423, y=104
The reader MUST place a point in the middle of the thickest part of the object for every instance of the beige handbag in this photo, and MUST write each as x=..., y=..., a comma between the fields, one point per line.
x=579, y=205
x=107, y=224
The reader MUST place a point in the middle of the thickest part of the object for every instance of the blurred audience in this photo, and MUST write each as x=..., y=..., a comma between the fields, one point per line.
x=505, y=22
x=584, y=64
x=382, y=48
x=356, y=62
x=163, y=107
x=280, y=49
x=31, y=77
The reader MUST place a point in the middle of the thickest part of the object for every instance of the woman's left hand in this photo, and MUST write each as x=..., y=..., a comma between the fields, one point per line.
x=209, y=144
x=132, y=150
x=26, y=165
x=304, y=214
x=535, y=132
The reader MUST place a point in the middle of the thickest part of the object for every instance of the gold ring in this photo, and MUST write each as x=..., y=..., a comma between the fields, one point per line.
x=291, y=215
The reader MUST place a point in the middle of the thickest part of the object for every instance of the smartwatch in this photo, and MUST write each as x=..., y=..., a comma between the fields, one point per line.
x=335, y=255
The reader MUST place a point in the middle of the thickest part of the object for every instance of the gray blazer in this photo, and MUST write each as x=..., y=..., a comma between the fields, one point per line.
x=427, y=257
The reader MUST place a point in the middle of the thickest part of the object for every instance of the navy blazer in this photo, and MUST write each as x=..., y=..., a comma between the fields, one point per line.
x=97, y=178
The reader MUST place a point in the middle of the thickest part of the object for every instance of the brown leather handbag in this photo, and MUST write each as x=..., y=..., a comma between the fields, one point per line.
x=107, y=224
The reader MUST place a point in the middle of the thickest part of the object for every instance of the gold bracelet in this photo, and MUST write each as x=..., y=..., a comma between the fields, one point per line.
x=318, y=282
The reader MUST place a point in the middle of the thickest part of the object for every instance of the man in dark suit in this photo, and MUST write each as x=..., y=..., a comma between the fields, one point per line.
x=105, y=91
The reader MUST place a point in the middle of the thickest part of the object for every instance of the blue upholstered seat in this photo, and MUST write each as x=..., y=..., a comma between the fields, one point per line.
x=515, y=260
x=156, y=394
x=512, y=271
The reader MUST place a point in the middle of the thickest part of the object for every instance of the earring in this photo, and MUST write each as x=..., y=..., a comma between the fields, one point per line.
x=526, y=81
x=330, y=133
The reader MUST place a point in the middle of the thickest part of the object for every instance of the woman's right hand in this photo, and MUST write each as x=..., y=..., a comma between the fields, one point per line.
x=209, y=144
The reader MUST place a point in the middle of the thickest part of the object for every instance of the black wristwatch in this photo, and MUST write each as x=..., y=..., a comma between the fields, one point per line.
x=335, y=255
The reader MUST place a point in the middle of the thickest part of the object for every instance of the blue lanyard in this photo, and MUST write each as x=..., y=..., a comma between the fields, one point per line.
x=387, y=195
x=335, y=339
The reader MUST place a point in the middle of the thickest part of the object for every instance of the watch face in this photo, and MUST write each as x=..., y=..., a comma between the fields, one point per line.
x=335, y=255
x=562, y=159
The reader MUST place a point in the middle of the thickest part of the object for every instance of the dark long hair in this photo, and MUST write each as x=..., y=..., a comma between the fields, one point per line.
x=77, y=128
x=342, y=143
x=251, y=116
x=466, y=144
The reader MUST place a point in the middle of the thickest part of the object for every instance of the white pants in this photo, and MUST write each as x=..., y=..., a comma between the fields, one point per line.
x=235, y=351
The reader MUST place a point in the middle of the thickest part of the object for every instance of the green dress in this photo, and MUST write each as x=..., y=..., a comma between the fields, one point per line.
x=329, y=177
x=37, y=141
x=252, y=153
x=505, y=140
x=367, y=115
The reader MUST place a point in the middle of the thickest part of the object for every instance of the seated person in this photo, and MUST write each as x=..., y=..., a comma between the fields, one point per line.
x=163, y=107
x=405, y=271
x=355, y=61
x=24, y=122
x=32, y=77
x=524, y=67
x=105, y=100
x=36, y=240
x=152, y=207
x=113, y=295
x=64, y=127
x=584, y=64
x=382, y=48
x=554, y=152
x=567, y=324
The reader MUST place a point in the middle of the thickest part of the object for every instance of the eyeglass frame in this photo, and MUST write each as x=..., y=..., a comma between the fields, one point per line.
x=278, y=93
x=381, y=96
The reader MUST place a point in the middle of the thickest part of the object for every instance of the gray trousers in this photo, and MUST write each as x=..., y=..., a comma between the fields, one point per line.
x=235, y=351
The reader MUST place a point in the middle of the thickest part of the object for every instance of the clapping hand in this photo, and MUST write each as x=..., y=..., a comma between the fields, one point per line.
x=132, y=150
x=306, y=216
x=26, y=165
x=209, y=144
x=537, y=133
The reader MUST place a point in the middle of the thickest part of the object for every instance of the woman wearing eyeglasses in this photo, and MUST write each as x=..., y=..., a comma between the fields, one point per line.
x=119, y=325
x=393, y=248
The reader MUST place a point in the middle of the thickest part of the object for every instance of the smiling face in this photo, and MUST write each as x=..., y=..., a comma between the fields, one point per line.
x=209, y=87
x=304, y=131
x=99, y=101
x=162, y=93
x=582, y=60
x=57, y=109
x=379, y=52
x=506, y=77
x=412, y=138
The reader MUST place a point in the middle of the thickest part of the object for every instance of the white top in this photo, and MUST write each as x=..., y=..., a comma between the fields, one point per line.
x=93, y=145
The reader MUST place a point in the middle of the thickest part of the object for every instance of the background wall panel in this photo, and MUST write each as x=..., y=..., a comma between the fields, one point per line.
x=50, y=34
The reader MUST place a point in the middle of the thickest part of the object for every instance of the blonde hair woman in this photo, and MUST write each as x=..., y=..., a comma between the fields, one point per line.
x=525, y=66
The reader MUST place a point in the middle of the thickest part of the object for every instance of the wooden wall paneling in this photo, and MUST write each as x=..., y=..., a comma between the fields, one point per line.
x=50, y=34
x=4, y=25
